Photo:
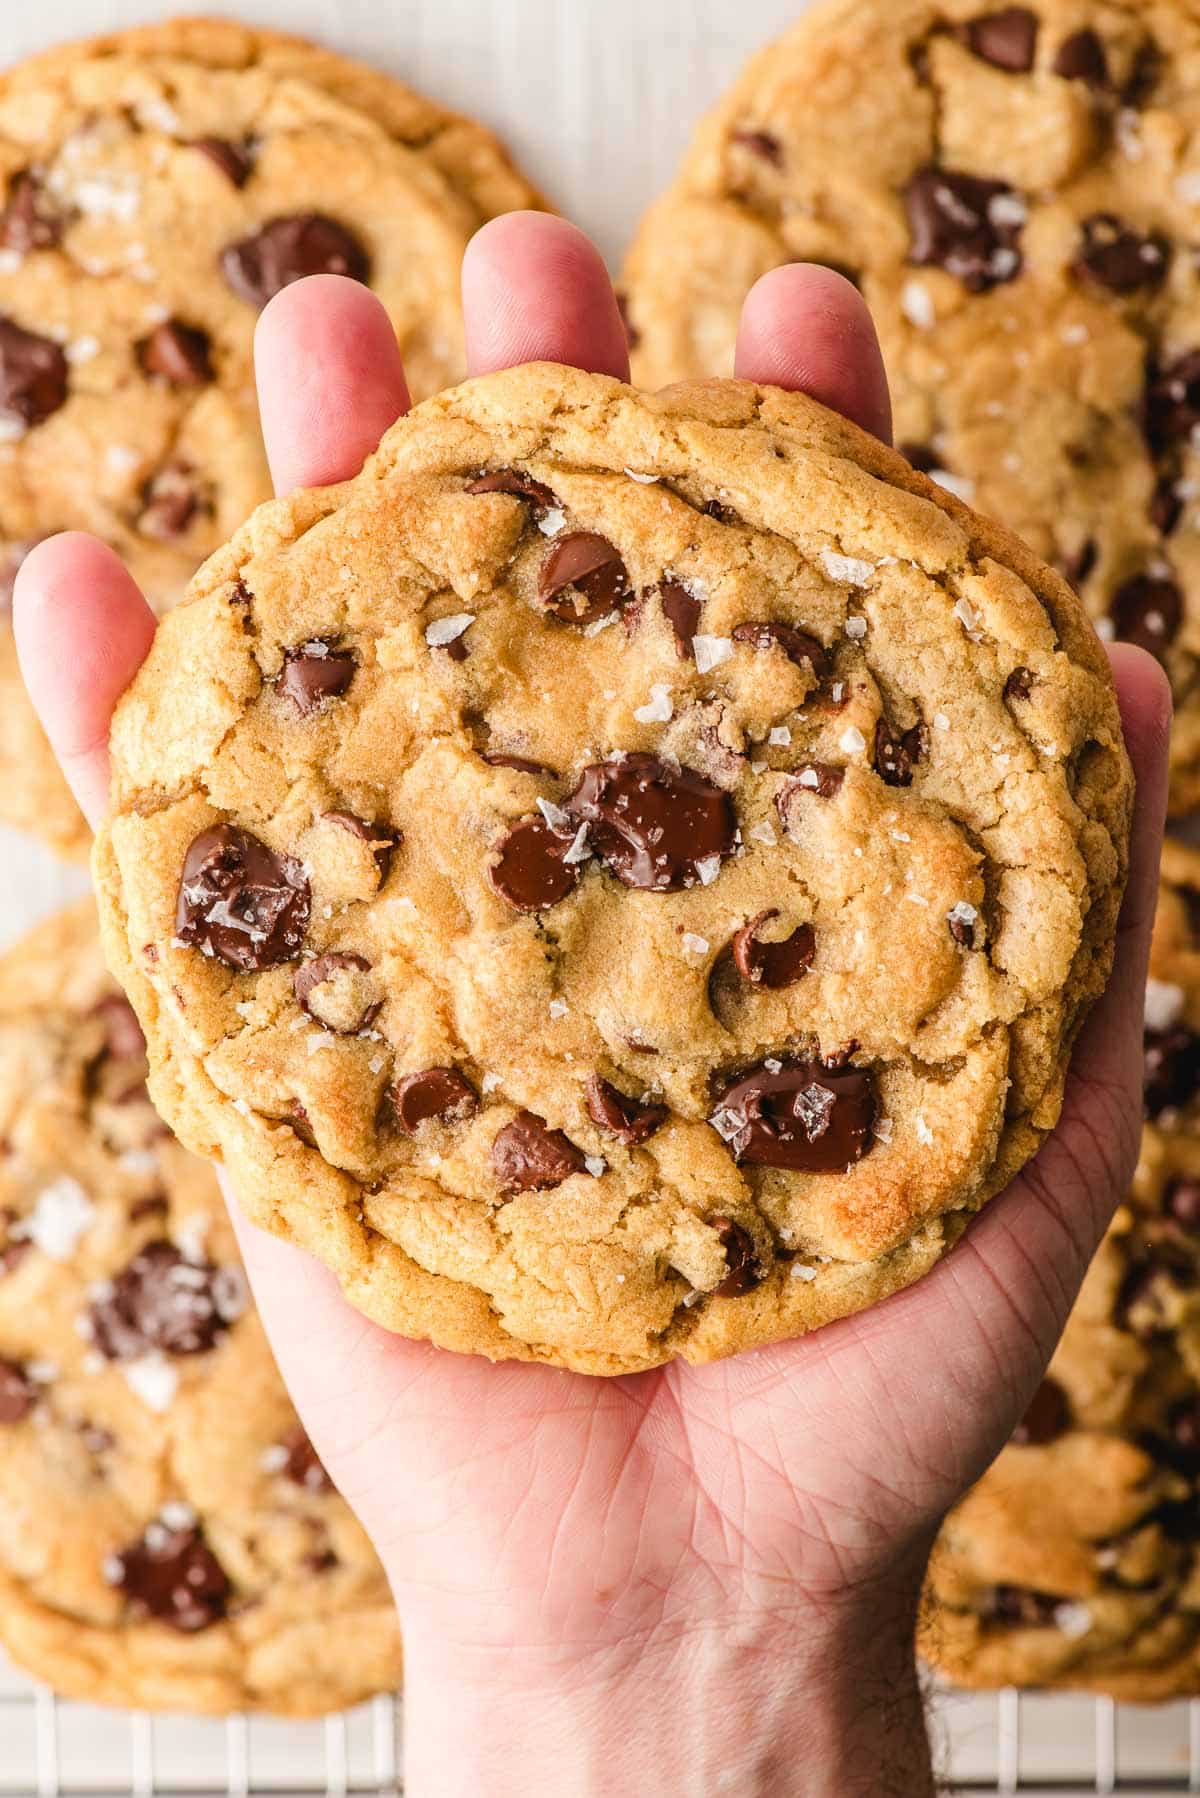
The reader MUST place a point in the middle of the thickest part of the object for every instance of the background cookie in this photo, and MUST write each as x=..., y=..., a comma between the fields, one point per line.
x=157, y=187
x=1016, y=190
x=622, y=879
x=168, y=1539
x=1073, y=1562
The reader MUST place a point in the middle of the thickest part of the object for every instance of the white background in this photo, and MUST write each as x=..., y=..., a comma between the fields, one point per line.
x=596, y=99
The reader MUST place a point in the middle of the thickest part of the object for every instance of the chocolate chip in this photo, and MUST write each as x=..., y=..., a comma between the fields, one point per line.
x=631, y=1121
x=1021, y=1608
x=1047, y=1418
x=313, y=672
x=33, y=374
x=1147, y=610
x=773, y=965
x=171, y=500
x=302, y=1465
x=240, y=901
x=1082, y=57
x=681, y=610
x=380, y=840
x=233, y=160
x=519, y=485
x=1147, y=1302
x=177, y=353
x=1144, y=76
x=1166, y=505
x=1181, y=1202
x=1172, y=403
x=496, y=758
x=1119, y=258
x=961, y=928
x=528, y=869
x=820, y=780
x=896, y=756
x=921, y=457
x=344, y=1007
x=1019, y=685
x=583, y=578
x=1171, y=1068
x=970, y=228
x=25, y=223
x=1076, y=568
x=173, y=1576
x=633, y=336
x=155, y=1205
x=440, y=1093
x=797, y=1114
x=528, y=1156
x=796, y=645
x=159, y=1302
x=745, y=1270
x=763, y=144
x=289, y=249
x=1007, y=39
x=18, y=1394
x=123, y=1038
x=715, y=508
x=657, y=828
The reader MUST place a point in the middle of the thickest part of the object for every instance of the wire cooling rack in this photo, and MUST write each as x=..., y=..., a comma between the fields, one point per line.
x=1010, y=1742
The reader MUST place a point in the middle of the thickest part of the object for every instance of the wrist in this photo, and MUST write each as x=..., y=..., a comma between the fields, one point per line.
x=827, y=1706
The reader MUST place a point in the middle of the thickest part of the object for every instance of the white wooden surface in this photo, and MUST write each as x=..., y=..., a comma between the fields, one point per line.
x=596, y=98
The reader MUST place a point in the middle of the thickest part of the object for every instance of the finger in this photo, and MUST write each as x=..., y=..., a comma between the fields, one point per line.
x=536, y=290
x=330, y=380
x=808, y=329
x=83, y=630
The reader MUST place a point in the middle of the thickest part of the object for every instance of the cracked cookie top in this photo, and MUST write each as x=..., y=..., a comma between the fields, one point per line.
x=157, y=187
x=168, y=1538
x=1015, y=191
x=621, y=878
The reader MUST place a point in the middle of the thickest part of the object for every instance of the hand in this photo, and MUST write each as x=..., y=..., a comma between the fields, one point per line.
x=698, y=1579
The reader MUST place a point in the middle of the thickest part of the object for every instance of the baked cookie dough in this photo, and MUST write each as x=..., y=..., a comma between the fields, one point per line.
x=157, y=186
x=620, y=879
x=1016, y=191
x=1074, y=1561
x=168, y=1538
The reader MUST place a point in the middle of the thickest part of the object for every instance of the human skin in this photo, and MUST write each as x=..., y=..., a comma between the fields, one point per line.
x=701, y=1579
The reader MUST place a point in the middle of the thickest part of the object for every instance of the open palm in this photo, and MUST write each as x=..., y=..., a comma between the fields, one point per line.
x=576, y=1526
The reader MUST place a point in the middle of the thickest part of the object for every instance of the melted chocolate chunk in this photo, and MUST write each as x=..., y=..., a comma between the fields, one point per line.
x=440, y=1093
x=519, y=485
x=1082, y=57
x=681, y=610
x=160, y=1302
x=381, y=840
x=1171, y=1065
x=921, y=457
x=528, y=1156
x=583, y=578
x=302, y=1466
x=896, y=756
x=1147, y=1301
x=313, y=672
x=26, y=224
x=773, y=965
x=1119, y=258
x=1172, y=403
x=656, y=828
x=1148, y=610
x=528, y=869
x=1007, y=39
x=289, y=249
x=1166, y=505
x=820, y=780
x=1047, y=1418
x=968, y=227
x=233, y=160
x=1019, y=685
x=496, y=758
x=177, y=353
x=240, y=901
x=173, y=1576
x=123, y=1039
x=18, y=1394
x=796, y=645
x=171, y=500
x=310, y=976
x=797, y=1114
x=33, y=374
x=741, y=1259
x=763, y=144
x=1021, y=1608
x=1181, y=1202
x=631, y=1121
x=1076, y=568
